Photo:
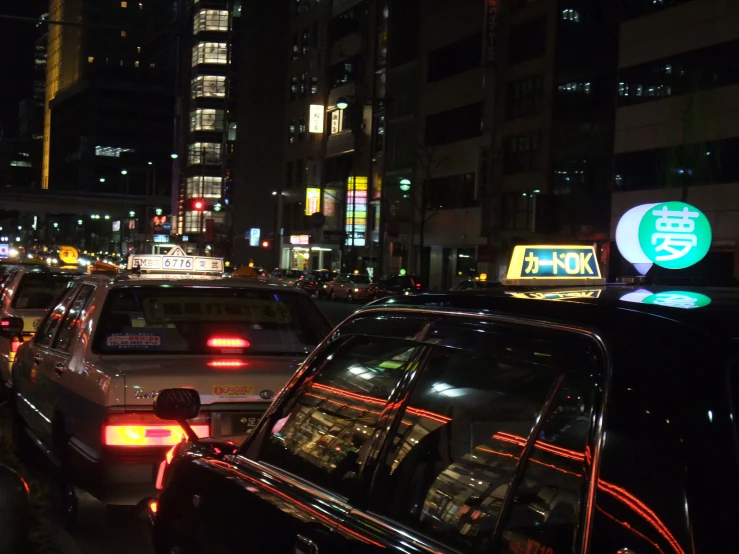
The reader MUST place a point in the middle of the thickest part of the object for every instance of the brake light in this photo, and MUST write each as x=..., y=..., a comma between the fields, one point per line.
x=227, y=364
x=145, y=429
x=153, y=506
x=228, y=342
x=418, y=285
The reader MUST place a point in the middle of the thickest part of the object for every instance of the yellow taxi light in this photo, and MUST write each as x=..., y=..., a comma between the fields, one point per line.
x=555, y=265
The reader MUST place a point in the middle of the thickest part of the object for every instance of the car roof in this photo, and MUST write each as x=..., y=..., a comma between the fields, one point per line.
x=127, y=280
x=587, y=306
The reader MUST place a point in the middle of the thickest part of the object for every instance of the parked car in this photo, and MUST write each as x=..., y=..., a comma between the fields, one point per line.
x=353, y=287
x=475, y=284
x=313, y=282
x=286, y=276
x=398, y=285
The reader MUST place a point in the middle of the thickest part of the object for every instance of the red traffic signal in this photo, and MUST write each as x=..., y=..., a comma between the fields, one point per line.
x=197, y=205
x=265, y=244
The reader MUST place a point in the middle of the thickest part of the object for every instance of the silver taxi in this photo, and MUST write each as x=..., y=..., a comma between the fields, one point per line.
x=84, y=387
x=27, y=293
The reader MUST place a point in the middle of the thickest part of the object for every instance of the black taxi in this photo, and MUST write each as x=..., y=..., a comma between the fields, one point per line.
x=588, y=419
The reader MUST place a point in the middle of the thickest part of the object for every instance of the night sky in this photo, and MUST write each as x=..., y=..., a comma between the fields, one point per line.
x=17, y=41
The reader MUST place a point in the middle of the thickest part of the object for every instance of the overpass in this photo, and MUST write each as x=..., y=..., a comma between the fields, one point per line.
x=38, y=201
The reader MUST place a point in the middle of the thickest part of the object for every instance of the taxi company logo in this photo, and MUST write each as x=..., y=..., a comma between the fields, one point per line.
x=673, y=235
x=233, y=390
x=141, y=395
x=266, y=395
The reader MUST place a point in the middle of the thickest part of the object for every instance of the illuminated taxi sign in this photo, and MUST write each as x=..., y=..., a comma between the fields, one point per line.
x=557, y=295
x=176, y=261
x=554, y=264
x=683, y=300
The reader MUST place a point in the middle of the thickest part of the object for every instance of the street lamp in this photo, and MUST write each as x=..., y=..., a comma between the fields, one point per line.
x=79, y=222
x=158, y=211
x=405, y=185
x=131, y=214
x=102, y=179
x=56, y=225
x=174, y=156
x=124, y=171
x=107, y=217
x=274, y=193
x=342, y=103
x=150, y=163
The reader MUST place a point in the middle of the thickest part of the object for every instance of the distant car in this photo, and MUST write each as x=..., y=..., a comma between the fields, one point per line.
x=314, y=282
x=475, y=284
x=287, y=276
x=398, y=285
x=353, y=287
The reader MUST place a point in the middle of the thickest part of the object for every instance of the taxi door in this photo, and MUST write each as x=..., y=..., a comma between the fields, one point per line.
x=55, y=365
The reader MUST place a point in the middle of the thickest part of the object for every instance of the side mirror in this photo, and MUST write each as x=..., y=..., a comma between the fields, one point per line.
x=178, y=405
x=11, y=325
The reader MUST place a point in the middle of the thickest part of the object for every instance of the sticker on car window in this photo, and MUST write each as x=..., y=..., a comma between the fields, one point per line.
x=232, y=390
x=133, y=340
x=167, y=310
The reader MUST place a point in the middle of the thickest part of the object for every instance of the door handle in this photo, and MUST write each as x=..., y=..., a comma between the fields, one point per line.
x=59, y=367
x=303, y=545
x=37, y=359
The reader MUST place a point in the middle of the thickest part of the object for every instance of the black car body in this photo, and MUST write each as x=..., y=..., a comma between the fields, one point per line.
x=398, y=285
x=525, y=422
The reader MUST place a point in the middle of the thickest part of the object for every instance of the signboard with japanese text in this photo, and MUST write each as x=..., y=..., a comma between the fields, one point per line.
x=68, y=254
x=312, y=200
x=315, y=119
x=672, y=235
x=356, y=211
x=176, y=260
x=4, y=251
x=539, y=264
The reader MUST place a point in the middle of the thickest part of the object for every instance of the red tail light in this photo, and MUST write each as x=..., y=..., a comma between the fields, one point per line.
x=228, y=342
x=418, y=285
x=228, y=364
x=145, y=429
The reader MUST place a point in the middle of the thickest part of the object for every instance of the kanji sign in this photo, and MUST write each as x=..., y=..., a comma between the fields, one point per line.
x=554, y=263
x=4, y=251
x=673, y=235
x=176, y=260
x=68, y=254
x=315, y=120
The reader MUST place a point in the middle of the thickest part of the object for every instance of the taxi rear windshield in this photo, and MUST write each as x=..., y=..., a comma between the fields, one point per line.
x=199, y=320
x=38, y=291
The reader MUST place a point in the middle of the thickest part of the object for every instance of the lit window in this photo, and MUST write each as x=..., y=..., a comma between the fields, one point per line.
x=209, y=52
x=232, y=131
x=195, y=221
x=123, y=33
x=202, y=186
x=204, y=119
x=571, y=15
x=209, y=86
x=138, y=49
x=90, y=59
x=136, y=63
x=121, y=63
x=141, y=6
x=210, y=20
x=152, y=64
x=111, y=151
x=204, y=153
x=124, y=4
x=19, y=163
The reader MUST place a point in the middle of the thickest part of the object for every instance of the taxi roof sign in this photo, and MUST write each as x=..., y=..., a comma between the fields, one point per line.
x=554, y=265
x=177, y=261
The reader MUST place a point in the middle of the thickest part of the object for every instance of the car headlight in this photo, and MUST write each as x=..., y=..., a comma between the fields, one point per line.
x=356, y=290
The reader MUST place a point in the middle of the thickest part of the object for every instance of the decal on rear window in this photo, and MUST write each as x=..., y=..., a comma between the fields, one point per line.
x=232, y=390
x=166, y=310
x=133, y=340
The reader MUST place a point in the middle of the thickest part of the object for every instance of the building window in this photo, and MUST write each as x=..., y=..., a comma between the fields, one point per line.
x=123, y=33
x=289, y=175
x=294, y=88
x=571, y=15
x=124, y=4
x=303, y=84
x=210, y=52
x=295, y=48
x=210, y=20
x=522, y=153
x=232, y=127
x=379, y=128
x=451, y=192
x=453, y=125
x=455, y=58
x=291, y=132
x=345, y=24
x=340, y=121
x=528, y=40
x=525, y=97
x=209, y=86
x=195, y=221
x=203, y=186
x=111, y=151
x=204, y=153
x=575, y=88
x=314, y=85
x=305, y=43
x=90, y=59
x=204, y=119
x=343, y=73
x=136, y=63
x=518, y=211
x=301, y=129
x=20, y=163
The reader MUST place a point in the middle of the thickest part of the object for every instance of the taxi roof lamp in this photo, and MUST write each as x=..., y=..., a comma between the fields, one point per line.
x=179, y=405
x=561, y=265
x=11, y=325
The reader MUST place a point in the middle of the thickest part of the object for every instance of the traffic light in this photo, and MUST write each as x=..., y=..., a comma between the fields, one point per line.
x=266, y=244
x=197, y=205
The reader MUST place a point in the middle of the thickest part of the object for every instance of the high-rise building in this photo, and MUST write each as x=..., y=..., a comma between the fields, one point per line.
x=207, y=126
x=676, y=120
x=110, y=96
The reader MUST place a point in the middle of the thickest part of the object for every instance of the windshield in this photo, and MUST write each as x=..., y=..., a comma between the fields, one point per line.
x=360, y=279
x=194, y=320
x=37, y=291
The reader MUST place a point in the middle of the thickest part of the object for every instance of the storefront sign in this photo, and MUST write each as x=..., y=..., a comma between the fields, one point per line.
x=312, y=201
x=4, y=251
x=161, y=238
x=542, y=264
x=673, y=235
x=356, y=211
x=491, y=28
x=299, y=239
x=254, y=236
x=117, y=226
x=68, y=254
x=315, y=121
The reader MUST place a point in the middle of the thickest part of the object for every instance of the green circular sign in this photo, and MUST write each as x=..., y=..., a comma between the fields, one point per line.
x=678, y=299
x=675, y=235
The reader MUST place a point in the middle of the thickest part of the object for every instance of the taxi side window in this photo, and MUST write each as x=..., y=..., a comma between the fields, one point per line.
x=49, y=326
x=458, y=446
x=323, y=432
x=71, y=325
